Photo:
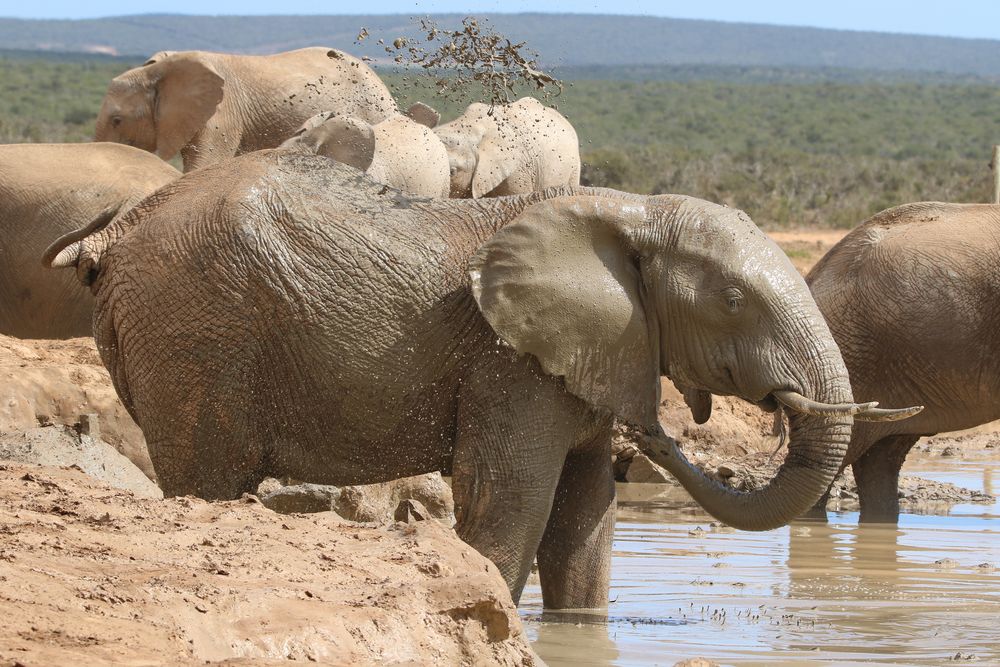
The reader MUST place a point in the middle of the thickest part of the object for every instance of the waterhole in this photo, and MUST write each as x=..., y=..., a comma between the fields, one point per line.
x=923, y=592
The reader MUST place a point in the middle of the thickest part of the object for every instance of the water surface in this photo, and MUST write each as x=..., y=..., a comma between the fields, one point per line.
x=920, y=593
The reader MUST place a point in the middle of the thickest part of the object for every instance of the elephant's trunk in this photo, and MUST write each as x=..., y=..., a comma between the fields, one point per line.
x=816, y=449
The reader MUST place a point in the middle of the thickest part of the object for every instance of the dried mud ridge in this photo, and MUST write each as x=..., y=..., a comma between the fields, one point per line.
x=95, y=575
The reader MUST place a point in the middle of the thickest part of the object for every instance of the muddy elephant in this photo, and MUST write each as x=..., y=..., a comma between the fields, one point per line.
x=46, y=191
x=210, y=106
x=397, y=151
x=510, y=149
x=912, y=297
x=283, y=315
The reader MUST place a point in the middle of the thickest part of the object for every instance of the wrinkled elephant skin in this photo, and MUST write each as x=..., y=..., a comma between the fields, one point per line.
x=281, y=315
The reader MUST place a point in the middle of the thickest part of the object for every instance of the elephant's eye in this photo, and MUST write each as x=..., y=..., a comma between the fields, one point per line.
x=734, y=299
x=116, y=121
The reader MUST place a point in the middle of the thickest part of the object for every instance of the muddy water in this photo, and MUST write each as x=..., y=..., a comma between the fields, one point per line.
x=835, y=594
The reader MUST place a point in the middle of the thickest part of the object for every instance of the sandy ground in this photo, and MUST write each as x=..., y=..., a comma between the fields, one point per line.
x=805, y=247
x=93, y=575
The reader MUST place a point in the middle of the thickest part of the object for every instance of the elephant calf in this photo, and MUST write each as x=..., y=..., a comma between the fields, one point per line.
x=279, y=316
x=46, y=191
x=912, y=297
x=510, y=149
x=398, y=151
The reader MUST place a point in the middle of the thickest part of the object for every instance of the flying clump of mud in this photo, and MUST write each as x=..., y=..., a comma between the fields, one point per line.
x=475, y=55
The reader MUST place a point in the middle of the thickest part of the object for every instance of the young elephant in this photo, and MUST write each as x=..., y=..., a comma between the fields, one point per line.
x=912, y=297
x=46, y=191
x=278, y=316
x=211, y=106
x=510, y=149
x=398, y=151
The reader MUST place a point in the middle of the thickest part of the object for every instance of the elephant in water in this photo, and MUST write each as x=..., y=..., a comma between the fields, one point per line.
x=46, y=191
x=912, y=297
x=510, y=149
x=398, y=151
x=211, y=106
x=279, y=315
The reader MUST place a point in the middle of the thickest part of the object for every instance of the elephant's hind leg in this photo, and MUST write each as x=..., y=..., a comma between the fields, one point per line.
x=574, y=559
x=877, y=475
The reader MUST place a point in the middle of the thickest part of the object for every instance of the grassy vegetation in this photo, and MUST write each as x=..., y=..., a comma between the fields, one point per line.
x=791, y=153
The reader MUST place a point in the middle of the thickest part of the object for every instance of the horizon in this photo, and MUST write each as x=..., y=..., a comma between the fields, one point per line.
x=979, y=22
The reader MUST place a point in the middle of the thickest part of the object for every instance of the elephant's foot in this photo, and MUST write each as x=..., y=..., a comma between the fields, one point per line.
x=574, y=558
x=877, y=476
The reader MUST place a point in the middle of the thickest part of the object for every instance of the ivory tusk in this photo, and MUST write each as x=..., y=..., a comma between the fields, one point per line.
x=887, y=415
x=799, y=403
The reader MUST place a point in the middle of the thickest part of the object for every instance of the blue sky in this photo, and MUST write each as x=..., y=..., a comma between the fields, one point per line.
x=958, y=18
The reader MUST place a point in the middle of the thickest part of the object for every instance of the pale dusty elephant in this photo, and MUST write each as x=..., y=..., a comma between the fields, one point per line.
x=398, y=151
x=510, y=149
x=210, y=106
x=46, y=191
x=912, y=297
x=278, y=315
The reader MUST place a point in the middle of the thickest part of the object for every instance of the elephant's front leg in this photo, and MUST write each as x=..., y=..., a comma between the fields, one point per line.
x=508, y=457
x=877, y=476
x=574, y=559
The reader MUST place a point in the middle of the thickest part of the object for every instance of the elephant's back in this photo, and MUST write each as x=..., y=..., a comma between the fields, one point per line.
x=318, y=79
x=46, y=191
x=914, y=244
x=63, y=169
x=911, y=297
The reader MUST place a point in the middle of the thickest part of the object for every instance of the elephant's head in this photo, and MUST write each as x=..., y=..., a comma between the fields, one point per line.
x=612, y=291
x=346, y=139
x=162, y=105
x=482, y=152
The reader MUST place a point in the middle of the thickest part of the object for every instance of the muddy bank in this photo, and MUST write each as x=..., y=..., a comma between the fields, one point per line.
x=93, y=575
x=56, y=381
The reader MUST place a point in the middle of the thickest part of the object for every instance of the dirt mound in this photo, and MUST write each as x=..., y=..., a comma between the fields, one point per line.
x=59, y=380
x=93, y=575
x=64, y=446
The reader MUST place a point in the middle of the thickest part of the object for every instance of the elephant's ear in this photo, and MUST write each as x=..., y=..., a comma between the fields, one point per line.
x=561, y=283
x=347, y=140
x=497, y=161
x=423, y=114
x=188, y=91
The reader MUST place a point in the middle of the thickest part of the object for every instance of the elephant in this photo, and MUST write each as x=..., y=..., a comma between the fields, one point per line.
x=46, y=191
x=912, y=297
x=282, y=315
x=510, y=149
x=397, y=151
x=210, y=106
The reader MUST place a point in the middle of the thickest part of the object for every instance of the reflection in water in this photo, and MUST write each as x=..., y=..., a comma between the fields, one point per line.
x=812, y=593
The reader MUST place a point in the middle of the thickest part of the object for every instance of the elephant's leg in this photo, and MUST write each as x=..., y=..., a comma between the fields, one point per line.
x=574, y=559
x=202, y=443
x=508, y=457
x=877, y=476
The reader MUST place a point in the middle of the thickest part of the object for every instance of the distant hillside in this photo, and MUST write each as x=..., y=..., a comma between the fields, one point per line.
x=563, y=39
